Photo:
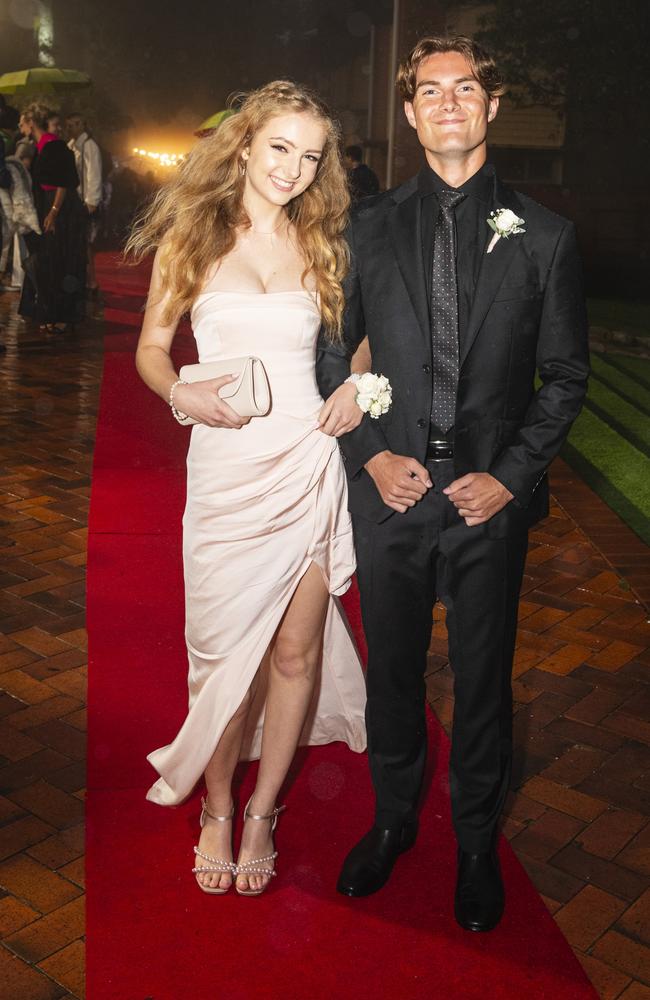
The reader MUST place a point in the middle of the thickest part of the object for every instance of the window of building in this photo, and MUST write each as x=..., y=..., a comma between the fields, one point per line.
x=533, y=166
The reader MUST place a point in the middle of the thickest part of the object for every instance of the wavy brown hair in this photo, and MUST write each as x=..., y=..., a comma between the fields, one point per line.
x=194, y=218
x=38, y=114
x=483, y=65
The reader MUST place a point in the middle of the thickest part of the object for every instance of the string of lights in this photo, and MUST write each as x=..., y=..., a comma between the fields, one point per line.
x=164, y=159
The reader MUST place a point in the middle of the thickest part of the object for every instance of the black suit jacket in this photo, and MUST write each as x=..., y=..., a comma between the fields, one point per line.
x=528, y=316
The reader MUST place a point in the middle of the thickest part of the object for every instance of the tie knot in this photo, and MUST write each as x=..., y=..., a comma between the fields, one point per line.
x=449, y=199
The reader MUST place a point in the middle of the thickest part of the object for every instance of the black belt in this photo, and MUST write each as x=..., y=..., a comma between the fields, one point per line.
x=438, y=451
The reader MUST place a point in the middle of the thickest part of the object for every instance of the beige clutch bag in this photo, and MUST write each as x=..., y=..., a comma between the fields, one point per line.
x=249, y=395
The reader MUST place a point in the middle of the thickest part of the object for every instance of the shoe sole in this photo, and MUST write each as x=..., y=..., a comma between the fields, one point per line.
x=347, y=890
x=478, y=928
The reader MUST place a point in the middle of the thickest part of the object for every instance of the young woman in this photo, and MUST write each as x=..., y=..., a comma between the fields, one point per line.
x=249, y=238
x=55, y=280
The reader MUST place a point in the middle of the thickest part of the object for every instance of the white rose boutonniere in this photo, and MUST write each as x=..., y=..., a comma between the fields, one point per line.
x=505, y=223
x=374, y=393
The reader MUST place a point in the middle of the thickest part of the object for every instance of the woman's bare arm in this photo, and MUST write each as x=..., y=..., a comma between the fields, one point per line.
x=201, y=400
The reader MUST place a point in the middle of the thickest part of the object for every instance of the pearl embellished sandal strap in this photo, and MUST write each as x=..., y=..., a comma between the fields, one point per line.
x=245, y=870
x=255, y=865
x=259, y=861
x=221, y=870
x=215, y=861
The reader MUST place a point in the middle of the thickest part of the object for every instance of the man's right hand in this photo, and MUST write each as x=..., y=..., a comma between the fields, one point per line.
x=401, y=480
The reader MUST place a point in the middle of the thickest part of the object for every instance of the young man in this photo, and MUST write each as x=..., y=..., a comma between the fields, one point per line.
x=88, y=159
x=445, y=486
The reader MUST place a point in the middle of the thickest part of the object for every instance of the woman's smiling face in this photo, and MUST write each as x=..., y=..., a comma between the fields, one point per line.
x=283, y=156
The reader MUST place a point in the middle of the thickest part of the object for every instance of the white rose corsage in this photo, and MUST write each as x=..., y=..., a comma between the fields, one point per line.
x=505, y=223
x=374, y=393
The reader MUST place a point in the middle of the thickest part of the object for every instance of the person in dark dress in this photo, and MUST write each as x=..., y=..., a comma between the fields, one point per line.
x=55, y=272
x=362, y=181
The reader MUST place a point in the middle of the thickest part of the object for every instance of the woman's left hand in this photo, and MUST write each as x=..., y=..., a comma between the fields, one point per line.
x=49, y=222
x=340, y=414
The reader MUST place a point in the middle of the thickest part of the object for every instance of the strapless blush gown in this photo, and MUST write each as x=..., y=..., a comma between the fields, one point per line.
x=263, y=503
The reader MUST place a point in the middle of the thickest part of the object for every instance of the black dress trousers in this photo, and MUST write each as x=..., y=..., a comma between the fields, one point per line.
x=404, y=564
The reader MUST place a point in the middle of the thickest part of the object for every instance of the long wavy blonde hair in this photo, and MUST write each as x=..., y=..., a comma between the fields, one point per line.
x=195, y=216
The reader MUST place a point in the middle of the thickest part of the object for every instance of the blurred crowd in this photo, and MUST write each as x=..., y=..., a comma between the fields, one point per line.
x=62, y=196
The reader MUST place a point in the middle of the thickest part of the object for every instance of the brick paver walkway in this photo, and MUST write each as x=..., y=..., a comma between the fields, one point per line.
x=48, y=402
x=579, y=816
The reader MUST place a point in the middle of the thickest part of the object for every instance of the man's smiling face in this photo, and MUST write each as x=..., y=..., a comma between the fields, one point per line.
x=450, y=109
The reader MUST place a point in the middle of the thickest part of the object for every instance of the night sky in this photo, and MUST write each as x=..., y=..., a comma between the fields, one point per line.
x=167, y=65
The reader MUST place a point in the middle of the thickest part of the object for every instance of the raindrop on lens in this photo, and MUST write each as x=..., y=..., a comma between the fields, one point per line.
x=24, y=12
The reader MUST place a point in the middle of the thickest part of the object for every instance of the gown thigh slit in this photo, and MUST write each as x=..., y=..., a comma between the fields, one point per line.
x=263, y=504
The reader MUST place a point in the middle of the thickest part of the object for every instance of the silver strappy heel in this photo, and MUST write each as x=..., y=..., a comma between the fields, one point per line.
x=215, y=864
x=258, y=866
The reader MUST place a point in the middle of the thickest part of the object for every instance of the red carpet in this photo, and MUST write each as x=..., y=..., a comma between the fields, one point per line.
x=152, y=935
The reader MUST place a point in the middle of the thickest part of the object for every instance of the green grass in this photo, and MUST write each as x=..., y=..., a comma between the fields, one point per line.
x=637, y=368
x=620, y=314
x=623, y=417
x=617, y=470
x=609, y=444
x=620, y=381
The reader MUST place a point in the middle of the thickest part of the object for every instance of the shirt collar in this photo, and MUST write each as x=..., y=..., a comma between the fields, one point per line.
x=480, y=185
x=79, y=141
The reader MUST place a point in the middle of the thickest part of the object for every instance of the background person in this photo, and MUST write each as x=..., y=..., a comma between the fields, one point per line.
x=363, y=180
x=53, y=289
x=54, y=124
x=8, y=124
x=24, y=154
x=88, y=159
x=25, y=146
x=20, y=224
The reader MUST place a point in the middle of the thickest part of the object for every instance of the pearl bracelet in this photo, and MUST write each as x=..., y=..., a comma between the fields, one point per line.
x=177, y=414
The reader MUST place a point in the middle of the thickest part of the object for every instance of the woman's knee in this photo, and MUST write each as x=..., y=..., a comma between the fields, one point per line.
x=293, y=662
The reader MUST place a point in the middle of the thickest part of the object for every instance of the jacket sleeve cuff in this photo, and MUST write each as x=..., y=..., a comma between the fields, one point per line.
x=521, y=486
x=362, y=444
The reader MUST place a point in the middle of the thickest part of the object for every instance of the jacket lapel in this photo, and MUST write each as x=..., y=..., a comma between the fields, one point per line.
x=493, y=268
x=405, y=239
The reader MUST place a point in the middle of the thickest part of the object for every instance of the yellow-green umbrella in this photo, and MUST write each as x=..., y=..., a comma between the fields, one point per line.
x=42, y=80
x=214, y=121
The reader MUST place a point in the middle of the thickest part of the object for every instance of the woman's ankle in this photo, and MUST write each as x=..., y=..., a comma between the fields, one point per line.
x=219, y=801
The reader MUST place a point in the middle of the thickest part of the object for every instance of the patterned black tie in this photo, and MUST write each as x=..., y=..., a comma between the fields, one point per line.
x=444, y=313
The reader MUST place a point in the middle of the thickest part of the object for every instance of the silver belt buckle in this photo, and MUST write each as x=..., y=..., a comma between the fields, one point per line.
x=444, y=446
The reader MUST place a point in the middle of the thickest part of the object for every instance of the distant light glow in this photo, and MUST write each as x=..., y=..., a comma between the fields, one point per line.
x=45, y=35
x=164, y=159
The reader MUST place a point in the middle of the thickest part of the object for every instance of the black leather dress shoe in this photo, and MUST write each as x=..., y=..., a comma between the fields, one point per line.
x=369, y=864
x=479, y=891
